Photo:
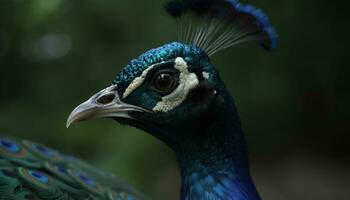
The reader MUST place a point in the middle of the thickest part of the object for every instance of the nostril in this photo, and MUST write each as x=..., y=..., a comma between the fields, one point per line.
x=106, y=99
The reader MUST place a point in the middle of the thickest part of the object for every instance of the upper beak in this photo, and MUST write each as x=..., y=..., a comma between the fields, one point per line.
x=105, y=103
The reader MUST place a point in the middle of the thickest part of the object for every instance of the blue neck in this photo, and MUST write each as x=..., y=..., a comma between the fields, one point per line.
x=206, y=182
x=217, y=166
x=219, y=181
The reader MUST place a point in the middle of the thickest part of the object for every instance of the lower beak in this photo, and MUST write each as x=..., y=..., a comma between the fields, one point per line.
x=104, y=104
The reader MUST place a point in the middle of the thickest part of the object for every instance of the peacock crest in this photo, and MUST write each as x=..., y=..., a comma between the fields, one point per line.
x=214, y=25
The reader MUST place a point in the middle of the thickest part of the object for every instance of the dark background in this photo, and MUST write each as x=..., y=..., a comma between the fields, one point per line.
x=293, y=102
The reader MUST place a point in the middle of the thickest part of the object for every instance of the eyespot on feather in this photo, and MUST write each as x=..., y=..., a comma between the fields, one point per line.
x=15, y=152
x=36, y=178
x=83, y=180
x=61, y=172
x=43, y=152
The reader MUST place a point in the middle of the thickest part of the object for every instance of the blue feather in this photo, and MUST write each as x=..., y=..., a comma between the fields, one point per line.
x=246, y=17
x=262, y=21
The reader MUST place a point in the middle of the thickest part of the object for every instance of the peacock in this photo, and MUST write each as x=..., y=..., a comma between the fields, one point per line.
x=172, y=92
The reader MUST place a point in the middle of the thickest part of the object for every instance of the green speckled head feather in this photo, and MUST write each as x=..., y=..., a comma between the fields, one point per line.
x=154, y=56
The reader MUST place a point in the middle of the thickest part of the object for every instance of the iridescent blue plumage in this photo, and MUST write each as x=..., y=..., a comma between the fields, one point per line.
x=32, y=171
x=9, y=146
x=207, y=140
x=262, y=22
x=208, y=183
x=245, y=17
x=154, y=56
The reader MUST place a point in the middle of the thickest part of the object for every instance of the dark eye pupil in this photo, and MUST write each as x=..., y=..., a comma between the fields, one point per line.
x=164, y=82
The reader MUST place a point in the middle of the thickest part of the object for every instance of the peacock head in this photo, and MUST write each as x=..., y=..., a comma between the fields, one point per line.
x=169, y=91
x=173, y=91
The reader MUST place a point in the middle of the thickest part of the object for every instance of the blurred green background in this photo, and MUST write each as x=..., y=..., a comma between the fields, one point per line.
x=293, y=102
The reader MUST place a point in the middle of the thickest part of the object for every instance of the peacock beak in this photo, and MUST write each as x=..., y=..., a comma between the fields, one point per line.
x=103, y=104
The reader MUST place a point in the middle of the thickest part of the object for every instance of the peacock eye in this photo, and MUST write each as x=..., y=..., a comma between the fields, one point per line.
x=164, y=82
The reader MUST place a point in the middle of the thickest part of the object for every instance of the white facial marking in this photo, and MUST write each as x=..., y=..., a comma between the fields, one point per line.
x=136, y=82
x=205, y=75
x=187, y=81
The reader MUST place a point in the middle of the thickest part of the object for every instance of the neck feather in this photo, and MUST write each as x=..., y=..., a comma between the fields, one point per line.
x=217, y=167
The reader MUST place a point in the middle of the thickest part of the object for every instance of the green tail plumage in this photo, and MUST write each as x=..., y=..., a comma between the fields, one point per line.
x=32, y=171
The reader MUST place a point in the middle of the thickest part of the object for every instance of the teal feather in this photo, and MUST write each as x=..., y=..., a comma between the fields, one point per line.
x=8, y=181
x=32, y=171
x=14, y=152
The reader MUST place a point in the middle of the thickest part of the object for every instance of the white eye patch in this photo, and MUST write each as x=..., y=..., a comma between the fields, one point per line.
x=136, y=82
x=187, y=81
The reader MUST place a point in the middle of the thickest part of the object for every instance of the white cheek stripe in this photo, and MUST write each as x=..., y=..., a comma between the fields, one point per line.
x=136, y=82
x=187, y=81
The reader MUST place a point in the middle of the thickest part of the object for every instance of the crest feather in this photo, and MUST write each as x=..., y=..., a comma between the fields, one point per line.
x=219, y=24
